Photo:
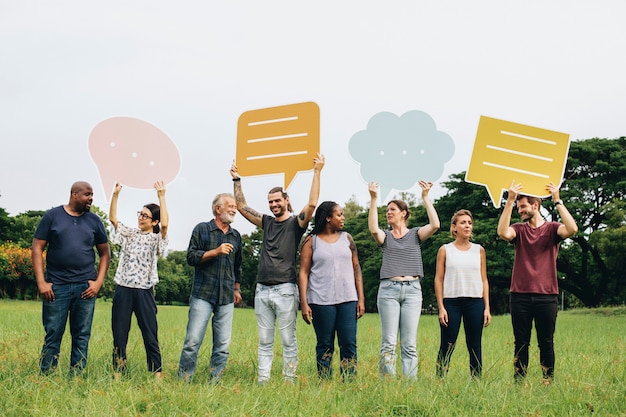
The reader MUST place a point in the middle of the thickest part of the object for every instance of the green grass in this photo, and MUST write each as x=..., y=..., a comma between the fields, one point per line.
x=590, y=373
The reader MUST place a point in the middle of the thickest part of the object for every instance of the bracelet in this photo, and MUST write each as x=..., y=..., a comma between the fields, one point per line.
x=557, y=202
x=236, y=179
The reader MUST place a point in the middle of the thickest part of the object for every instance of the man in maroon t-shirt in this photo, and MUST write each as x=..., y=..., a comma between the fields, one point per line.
x=534, y=286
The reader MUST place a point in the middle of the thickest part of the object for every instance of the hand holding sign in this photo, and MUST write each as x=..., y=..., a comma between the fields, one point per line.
x=278, y=139
x=133, y=152
x=506, y=151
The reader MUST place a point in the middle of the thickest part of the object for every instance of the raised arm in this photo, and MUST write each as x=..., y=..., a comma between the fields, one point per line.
x=505, y=231
x=372, y=217
x=433, y=225
x=249, y=213
x=113, y=206
x=569, y=227
x=159, y=186
x=307, y=212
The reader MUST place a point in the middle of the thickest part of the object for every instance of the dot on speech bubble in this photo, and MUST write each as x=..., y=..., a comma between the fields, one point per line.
x=398, y=152
x=506, y=151
x=283, y=139
x=133, y=152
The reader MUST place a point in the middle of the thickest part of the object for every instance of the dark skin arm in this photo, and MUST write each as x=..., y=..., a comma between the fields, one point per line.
x=103, y=266
x=44, y=287
x=306, y=255
x=358, y=279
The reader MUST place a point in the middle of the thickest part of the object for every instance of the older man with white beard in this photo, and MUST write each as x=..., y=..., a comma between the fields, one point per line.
x=215, y=252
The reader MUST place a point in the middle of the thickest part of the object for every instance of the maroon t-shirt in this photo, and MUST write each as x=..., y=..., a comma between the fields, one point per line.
x=534, y=268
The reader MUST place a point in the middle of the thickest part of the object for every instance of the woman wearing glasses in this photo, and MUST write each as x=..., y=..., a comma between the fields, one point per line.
x=136, y=277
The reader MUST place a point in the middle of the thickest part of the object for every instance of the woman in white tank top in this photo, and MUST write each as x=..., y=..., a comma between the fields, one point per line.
x=462, y=292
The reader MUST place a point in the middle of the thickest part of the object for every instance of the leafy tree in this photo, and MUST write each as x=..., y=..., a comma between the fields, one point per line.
x=251, y=249
x=175, y=279
x=352, y=208
x=17, y=279
x=594, y=188
x=5, y=225
x=23, y=227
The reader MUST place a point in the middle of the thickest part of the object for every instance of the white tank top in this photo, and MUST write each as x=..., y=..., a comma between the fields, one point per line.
x=462, y=277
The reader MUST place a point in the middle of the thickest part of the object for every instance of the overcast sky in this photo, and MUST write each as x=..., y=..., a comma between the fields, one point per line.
x=192, y=67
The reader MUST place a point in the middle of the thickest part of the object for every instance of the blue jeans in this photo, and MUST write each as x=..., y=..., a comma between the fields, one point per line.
x=199, y=313
x=328, y=320
x=471, y=311
x=277, y=303
x=54, y=315
x=542, y=308
x=399, y=308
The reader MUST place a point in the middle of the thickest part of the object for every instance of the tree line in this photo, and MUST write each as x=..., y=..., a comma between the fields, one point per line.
x=590, y=265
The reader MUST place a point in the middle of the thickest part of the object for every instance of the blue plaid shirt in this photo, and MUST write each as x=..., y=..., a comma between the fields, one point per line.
x=214, y=280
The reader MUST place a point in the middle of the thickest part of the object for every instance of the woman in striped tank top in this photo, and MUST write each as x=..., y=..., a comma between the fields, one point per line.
x=399, y=298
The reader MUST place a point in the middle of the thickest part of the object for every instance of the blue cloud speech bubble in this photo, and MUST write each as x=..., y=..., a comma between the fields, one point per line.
x=397, y=152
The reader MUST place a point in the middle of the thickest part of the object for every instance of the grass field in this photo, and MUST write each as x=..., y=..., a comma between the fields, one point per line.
x=590, y=373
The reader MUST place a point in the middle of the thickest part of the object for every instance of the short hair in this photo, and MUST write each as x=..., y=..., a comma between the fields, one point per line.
x=455, y=217
x=531, y=199
x=218, y=201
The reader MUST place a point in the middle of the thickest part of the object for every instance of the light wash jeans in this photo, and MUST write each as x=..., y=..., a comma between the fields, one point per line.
x=222, y=326
x=67, y=302
x=272, y=304
x=399, y=308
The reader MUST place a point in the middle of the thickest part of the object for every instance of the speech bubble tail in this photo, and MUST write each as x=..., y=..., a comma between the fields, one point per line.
x=289, y=177
x=108, y=186
x=496, y=196
x=384, y=193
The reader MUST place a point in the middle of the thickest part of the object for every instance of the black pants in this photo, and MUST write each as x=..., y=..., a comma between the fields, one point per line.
x=472, y=312
x=542, y=308
x=140, y=301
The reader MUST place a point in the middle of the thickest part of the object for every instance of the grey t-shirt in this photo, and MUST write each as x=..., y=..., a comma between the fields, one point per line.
x=277, y=263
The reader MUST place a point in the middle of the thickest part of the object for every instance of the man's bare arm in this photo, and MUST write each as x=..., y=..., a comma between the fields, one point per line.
x=246, y=211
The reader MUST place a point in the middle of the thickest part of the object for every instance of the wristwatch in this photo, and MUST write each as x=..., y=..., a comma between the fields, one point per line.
x=557, y=202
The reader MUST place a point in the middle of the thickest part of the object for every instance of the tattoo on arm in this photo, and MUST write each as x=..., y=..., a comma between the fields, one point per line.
x=252, y=211
x=352, y=244
x=238, y=192
x=301, y=215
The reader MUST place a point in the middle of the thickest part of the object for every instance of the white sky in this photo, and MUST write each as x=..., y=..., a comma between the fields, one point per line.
x=192, y=67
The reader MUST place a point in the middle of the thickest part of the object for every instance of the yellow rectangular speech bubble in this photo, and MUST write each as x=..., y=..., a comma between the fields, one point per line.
x=283, y=139
x=506, y=151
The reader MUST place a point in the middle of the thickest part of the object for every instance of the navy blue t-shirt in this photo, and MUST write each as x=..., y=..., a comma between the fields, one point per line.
x=71, y=240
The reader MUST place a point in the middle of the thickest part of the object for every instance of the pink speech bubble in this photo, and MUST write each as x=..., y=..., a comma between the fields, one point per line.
x=133, y=152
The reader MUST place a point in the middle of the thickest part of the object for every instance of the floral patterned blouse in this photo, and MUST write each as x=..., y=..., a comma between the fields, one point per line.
x=139, y=252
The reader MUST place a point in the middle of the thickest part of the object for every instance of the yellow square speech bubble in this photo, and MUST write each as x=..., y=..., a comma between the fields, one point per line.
x=283, y=139
x=506, y=151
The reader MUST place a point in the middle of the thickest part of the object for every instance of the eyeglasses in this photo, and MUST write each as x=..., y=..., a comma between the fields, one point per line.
x=143, y=216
